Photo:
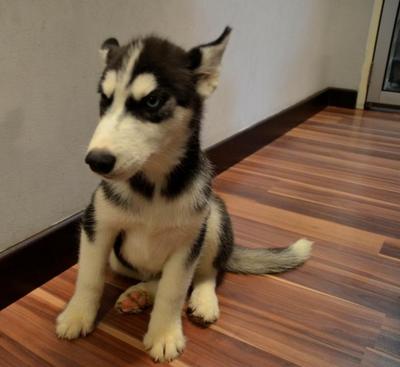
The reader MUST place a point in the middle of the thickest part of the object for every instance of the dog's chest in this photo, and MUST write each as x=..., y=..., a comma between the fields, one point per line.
x=153, y=229
x=147, y=249
x=151, y=237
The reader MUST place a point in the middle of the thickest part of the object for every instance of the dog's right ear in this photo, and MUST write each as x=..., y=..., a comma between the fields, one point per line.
x=107, y=47
x=205, y=61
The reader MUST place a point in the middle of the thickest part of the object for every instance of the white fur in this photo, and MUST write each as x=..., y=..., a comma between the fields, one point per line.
x=302, y=248
x=109, y=83
x=79, y=315
x=159, y=238
x=142, y=85
x=126, y=72
x=116, y=265
x=203, y=300
x=104, y=53
x=133, y=142
x=158, y=234
x=152, y=232
x=164, y=337
x=210, y=68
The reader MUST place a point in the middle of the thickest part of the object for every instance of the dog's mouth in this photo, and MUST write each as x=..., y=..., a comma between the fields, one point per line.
x=121, y=173
x=108, y=176
x=115, y=176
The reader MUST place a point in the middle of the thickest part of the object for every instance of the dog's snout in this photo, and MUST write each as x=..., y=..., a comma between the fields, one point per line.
x=100, y=161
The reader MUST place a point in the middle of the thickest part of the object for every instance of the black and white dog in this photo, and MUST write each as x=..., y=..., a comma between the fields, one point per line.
x=154, y=216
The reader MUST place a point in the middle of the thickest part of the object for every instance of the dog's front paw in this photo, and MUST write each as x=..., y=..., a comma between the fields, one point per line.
x=77, y=319
x=164, y=346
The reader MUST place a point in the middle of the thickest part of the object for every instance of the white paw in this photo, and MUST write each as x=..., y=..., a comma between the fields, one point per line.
x=77, y=319
x=133, y=300
x=203, y=307
x=165, y=346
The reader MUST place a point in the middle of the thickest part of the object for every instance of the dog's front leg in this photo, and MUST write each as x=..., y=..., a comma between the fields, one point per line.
x=79, y=315
x=164, y=338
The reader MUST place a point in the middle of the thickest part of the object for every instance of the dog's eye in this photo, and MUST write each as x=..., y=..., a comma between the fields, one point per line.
x=153, y=101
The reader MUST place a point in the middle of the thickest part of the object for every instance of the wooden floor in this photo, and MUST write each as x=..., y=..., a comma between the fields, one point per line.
x=334, y=179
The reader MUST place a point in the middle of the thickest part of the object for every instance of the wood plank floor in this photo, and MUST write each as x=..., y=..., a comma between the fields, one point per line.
x=334, y=179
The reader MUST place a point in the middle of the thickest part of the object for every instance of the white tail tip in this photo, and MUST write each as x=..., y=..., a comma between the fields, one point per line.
x=302, y=248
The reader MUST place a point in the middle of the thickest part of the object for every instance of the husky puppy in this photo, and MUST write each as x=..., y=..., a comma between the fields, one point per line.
x=154, y=216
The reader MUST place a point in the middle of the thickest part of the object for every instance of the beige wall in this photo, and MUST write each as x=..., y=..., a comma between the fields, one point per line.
x=280, y=53
x=347, y=41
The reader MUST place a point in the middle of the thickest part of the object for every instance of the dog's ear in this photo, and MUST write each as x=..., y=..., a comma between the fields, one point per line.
x=205, y=61
x=107, y=47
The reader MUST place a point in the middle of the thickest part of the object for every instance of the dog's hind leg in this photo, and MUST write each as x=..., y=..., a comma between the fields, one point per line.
x=203, y=306
x=138, y=297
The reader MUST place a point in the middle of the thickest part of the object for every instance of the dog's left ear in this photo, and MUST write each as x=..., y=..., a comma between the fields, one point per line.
x=107, y=47
x=205, y=61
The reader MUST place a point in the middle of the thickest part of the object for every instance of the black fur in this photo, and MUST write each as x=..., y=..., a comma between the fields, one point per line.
x=173, y=68
x=110, y=44
x=191, y=163
x=195, y=55
x=114, y=61
x=89, y=221
x=140, y=184
x=225, y=237
x=118, y=253
x=184, y=173
x=195, y=58
x=170, y=65
x=115, y=58
x=105, y=102
x=204, y=199
x=112, y=196
x=197, y=245
x=224, y=34
x=142, y=112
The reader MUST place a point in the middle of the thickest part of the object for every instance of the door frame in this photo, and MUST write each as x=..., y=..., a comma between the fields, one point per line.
x=376, y=94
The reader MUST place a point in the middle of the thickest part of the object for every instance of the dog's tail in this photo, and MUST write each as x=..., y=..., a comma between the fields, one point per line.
x=266, y=261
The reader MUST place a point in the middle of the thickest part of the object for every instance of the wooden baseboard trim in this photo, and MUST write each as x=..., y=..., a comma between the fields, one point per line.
x=237, y=147
x=341, y=97
x=32, y=262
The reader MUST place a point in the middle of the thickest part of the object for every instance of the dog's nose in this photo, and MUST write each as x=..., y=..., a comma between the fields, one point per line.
x=100, y=161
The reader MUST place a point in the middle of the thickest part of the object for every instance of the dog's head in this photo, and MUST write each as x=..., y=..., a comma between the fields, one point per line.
x=151, y=94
